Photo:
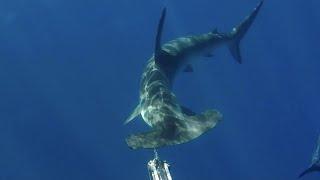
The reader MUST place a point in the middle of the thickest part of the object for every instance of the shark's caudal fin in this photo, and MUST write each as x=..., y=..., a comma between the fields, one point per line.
x=175, y=131
x=238, y=32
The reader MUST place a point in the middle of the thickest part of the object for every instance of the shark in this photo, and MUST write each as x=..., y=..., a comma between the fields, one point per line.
x=315, y=161
x=170, y=122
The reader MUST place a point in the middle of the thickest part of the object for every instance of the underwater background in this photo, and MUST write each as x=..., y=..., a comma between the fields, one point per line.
x=70, y=73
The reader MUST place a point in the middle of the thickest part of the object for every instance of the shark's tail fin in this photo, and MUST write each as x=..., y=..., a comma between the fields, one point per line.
x=175, y=131
x=239, y=31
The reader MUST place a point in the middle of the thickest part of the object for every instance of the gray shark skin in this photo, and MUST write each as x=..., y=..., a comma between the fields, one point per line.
x=315, y=162
x=172, y=123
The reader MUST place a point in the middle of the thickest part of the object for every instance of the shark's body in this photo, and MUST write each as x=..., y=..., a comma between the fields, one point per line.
x=315, y=162
x=172, y=123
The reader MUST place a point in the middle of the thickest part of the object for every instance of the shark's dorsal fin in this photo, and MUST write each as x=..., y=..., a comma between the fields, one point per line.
x=157, y=51
x=134, y=114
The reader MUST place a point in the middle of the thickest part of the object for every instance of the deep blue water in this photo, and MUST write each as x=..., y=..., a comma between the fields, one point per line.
x=70, y=72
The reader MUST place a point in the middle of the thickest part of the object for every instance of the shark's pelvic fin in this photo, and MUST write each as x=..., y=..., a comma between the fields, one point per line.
x=238, y=32
x=134, y=114
x=157, y=51
x=175, y=131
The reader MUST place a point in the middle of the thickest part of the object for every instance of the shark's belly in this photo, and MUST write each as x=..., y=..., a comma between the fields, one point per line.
x=157, y=100
x=152, y=115
x=160, y=106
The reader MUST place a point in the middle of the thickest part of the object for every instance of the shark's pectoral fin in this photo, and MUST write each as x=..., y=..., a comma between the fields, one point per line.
x=311, y=169
x=175, y=131
x=188, y=68
x=307, y=171
x=134, y=114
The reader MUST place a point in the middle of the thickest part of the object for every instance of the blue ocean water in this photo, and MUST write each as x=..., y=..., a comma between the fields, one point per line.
x=70, y=72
